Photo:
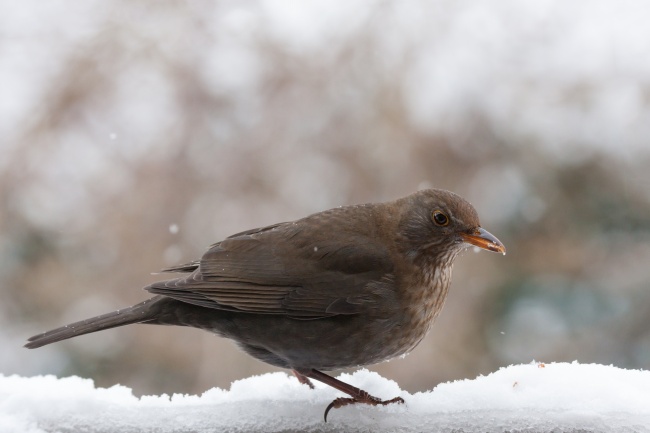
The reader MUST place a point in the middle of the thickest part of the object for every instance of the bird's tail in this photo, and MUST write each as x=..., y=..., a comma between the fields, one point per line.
x=140, y=313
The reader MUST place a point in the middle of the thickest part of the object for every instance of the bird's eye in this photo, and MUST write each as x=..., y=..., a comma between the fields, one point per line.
x=440, y=218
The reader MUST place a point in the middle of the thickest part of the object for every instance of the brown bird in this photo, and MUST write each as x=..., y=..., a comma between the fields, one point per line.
x=347, y=287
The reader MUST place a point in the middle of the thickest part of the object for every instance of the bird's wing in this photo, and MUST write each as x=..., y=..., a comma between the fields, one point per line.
x=184, y=268
x=287, y=270
x=194, y=265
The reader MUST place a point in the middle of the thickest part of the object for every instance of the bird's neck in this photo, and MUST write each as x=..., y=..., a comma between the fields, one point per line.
x=436, y=280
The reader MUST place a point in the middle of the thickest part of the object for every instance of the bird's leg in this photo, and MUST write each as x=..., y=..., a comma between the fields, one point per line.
x=303, y=379
x=356, y=395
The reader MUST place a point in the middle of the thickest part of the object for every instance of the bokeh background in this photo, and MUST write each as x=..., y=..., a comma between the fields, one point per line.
x=134, y=134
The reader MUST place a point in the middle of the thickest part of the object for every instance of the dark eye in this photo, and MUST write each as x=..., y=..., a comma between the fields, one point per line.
x=440, y=218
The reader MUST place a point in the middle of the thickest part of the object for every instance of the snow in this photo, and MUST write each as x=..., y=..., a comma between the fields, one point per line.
x=528, y=398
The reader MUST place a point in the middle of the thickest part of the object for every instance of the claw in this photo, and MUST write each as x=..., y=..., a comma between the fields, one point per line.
x=365, y=399
x=339, y=402
x=356, y=395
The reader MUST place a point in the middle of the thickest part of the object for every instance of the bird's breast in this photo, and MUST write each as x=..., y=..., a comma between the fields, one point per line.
x=422, y=304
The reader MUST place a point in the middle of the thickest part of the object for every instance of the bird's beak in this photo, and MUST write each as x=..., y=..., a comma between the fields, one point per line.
x=484, y=239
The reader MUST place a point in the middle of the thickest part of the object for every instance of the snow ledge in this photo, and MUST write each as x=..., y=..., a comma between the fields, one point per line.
x=526, y=398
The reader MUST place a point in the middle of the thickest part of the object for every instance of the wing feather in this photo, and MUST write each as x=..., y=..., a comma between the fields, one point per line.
x=297, y=269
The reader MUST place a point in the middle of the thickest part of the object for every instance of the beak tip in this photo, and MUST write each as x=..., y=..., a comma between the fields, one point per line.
x=497, y=248
x=483, y=239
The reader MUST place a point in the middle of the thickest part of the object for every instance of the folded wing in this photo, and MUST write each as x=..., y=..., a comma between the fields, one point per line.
x=292, y=269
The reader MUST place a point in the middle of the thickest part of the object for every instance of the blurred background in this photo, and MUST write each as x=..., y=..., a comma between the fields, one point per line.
x=135, y=134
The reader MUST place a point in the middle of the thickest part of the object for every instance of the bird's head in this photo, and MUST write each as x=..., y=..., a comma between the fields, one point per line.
x=436, y=225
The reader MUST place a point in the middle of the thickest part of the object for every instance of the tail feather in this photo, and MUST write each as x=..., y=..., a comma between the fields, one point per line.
x=140, y=313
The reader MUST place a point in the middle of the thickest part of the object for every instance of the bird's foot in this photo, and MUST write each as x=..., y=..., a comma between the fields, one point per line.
x=364, y=398
x=356, y=395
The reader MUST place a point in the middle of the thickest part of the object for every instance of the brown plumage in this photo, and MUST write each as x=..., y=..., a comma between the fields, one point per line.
x=346, y=287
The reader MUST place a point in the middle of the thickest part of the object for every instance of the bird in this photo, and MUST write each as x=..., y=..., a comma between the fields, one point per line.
x=347, y=287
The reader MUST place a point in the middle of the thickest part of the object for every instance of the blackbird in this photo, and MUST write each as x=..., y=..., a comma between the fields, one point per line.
x=347, y=287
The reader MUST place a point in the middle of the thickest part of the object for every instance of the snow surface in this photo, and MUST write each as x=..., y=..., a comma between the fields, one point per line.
x=527, y=398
